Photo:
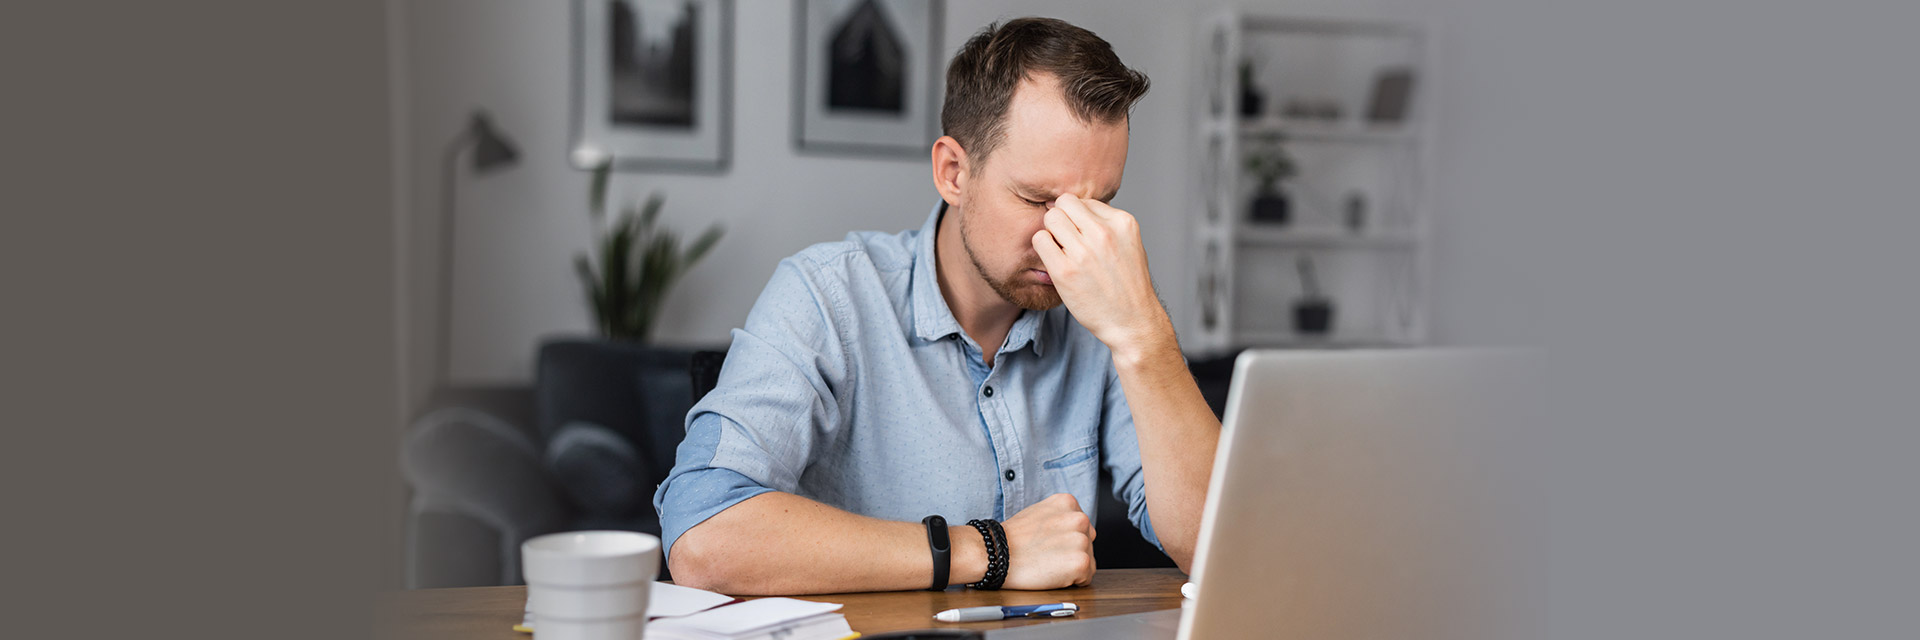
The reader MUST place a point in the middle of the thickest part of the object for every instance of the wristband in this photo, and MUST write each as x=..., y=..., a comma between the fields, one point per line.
x=942, y=551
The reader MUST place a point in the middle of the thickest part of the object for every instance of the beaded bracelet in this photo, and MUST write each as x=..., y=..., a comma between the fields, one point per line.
x=995, y=538
x=1006, y=554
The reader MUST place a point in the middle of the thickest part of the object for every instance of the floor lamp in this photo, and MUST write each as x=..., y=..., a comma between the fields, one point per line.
x=491, y=151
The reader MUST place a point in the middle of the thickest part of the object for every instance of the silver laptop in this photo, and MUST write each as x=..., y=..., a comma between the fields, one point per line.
x=1362, y=494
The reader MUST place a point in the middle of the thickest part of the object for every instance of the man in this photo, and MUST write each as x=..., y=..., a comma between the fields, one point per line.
x=858, y=398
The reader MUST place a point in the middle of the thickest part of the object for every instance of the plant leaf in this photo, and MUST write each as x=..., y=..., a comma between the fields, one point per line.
x=660, y=267
x=614, y=266
x=701, y=245
x=596, y=301
x=651, y=212
x=597, y=193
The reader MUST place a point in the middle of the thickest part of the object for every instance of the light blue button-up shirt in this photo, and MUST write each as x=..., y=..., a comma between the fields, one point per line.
x=852, y=384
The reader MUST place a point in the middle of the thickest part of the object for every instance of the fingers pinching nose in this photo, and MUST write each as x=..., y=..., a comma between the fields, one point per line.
x=1049, y=250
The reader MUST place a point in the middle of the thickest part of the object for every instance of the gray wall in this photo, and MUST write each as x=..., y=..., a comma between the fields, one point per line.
x=519, y=229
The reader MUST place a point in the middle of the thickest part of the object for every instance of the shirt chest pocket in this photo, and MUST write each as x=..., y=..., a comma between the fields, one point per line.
x=1075, y=471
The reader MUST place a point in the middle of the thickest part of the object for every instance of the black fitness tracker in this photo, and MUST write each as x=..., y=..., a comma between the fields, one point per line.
x=942, y=551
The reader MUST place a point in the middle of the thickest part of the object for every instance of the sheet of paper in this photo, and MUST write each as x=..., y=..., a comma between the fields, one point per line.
x=674, y=600
x=739, y=619
x=665, y=600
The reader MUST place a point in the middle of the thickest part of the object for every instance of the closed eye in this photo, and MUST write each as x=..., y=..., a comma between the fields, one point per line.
x=1035, y=203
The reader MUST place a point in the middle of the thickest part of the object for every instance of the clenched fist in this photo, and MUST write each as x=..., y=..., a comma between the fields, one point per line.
x=1049, y=545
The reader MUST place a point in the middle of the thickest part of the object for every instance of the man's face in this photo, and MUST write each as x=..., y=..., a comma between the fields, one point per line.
x=1046, y=152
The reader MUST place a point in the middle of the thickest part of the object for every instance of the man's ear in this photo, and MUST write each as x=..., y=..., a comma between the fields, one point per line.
x=951, y=170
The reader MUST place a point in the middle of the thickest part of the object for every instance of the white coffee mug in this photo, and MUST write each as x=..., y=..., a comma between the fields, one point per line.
x=589, y=585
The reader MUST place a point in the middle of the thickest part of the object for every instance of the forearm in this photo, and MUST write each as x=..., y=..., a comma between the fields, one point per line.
x=1178, y=434
x=783, y=544
x=1094, y=256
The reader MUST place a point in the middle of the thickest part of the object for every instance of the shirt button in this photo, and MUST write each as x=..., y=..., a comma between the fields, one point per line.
x=1009, y=475
x=988, y=392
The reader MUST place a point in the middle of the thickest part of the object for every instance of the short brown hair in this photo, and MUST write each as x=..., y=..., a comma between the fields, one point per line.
x=983, y=75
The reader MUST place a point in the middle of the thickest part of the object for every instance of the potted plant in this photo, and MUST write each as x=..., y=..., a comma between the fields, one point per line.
x=621, y=383
x=636, y=264
x=1269, y=164
x=1312, y=311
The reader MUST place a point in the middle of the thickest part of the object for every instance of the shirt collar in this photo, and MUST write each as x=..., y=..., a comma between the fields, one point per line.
x=932, y=318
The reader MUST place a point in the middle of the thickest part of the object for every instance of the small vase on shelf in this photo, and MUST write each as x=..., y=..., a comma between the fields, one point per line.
x=1312, y=311
x=1252, y=101
x=1356, y=212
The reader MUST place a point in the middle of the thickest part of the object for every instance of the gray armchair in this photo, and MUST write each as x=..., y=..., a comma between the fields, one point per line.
x=583, y=448
x=480, y=487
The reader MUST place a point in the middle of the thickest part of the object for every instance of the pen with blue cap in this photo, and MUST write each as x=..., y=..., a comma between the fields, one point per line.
x=982, y=614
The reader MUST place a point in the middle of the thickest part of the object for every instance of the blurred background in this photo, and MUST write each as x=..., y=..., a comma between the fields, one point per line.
x=290, y=283
x=520, y=227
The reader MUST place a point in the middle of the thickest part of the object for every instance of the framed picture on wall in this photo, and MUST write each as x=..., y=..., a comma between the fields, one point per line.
x=867, y=76
x=650, y=85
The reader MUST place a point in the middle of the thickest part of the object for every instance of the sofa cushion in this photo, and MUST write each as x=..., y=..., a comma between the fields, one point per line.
x=599, y=470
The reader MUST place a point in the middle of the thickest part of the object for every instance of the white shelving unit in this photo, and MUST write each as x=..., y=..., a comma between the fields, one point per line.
x=1375, y=273
x=1268, y=236
x=1323, y=131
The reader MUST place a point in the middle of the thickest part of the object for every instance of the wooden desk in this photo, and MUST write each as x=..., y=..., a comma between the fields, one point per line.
x=480, y=613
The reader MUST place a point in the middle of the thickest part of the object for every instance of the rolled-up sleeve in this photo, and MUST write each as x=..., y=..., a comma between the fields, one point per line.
x=756, y=431
x=1120, y=448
